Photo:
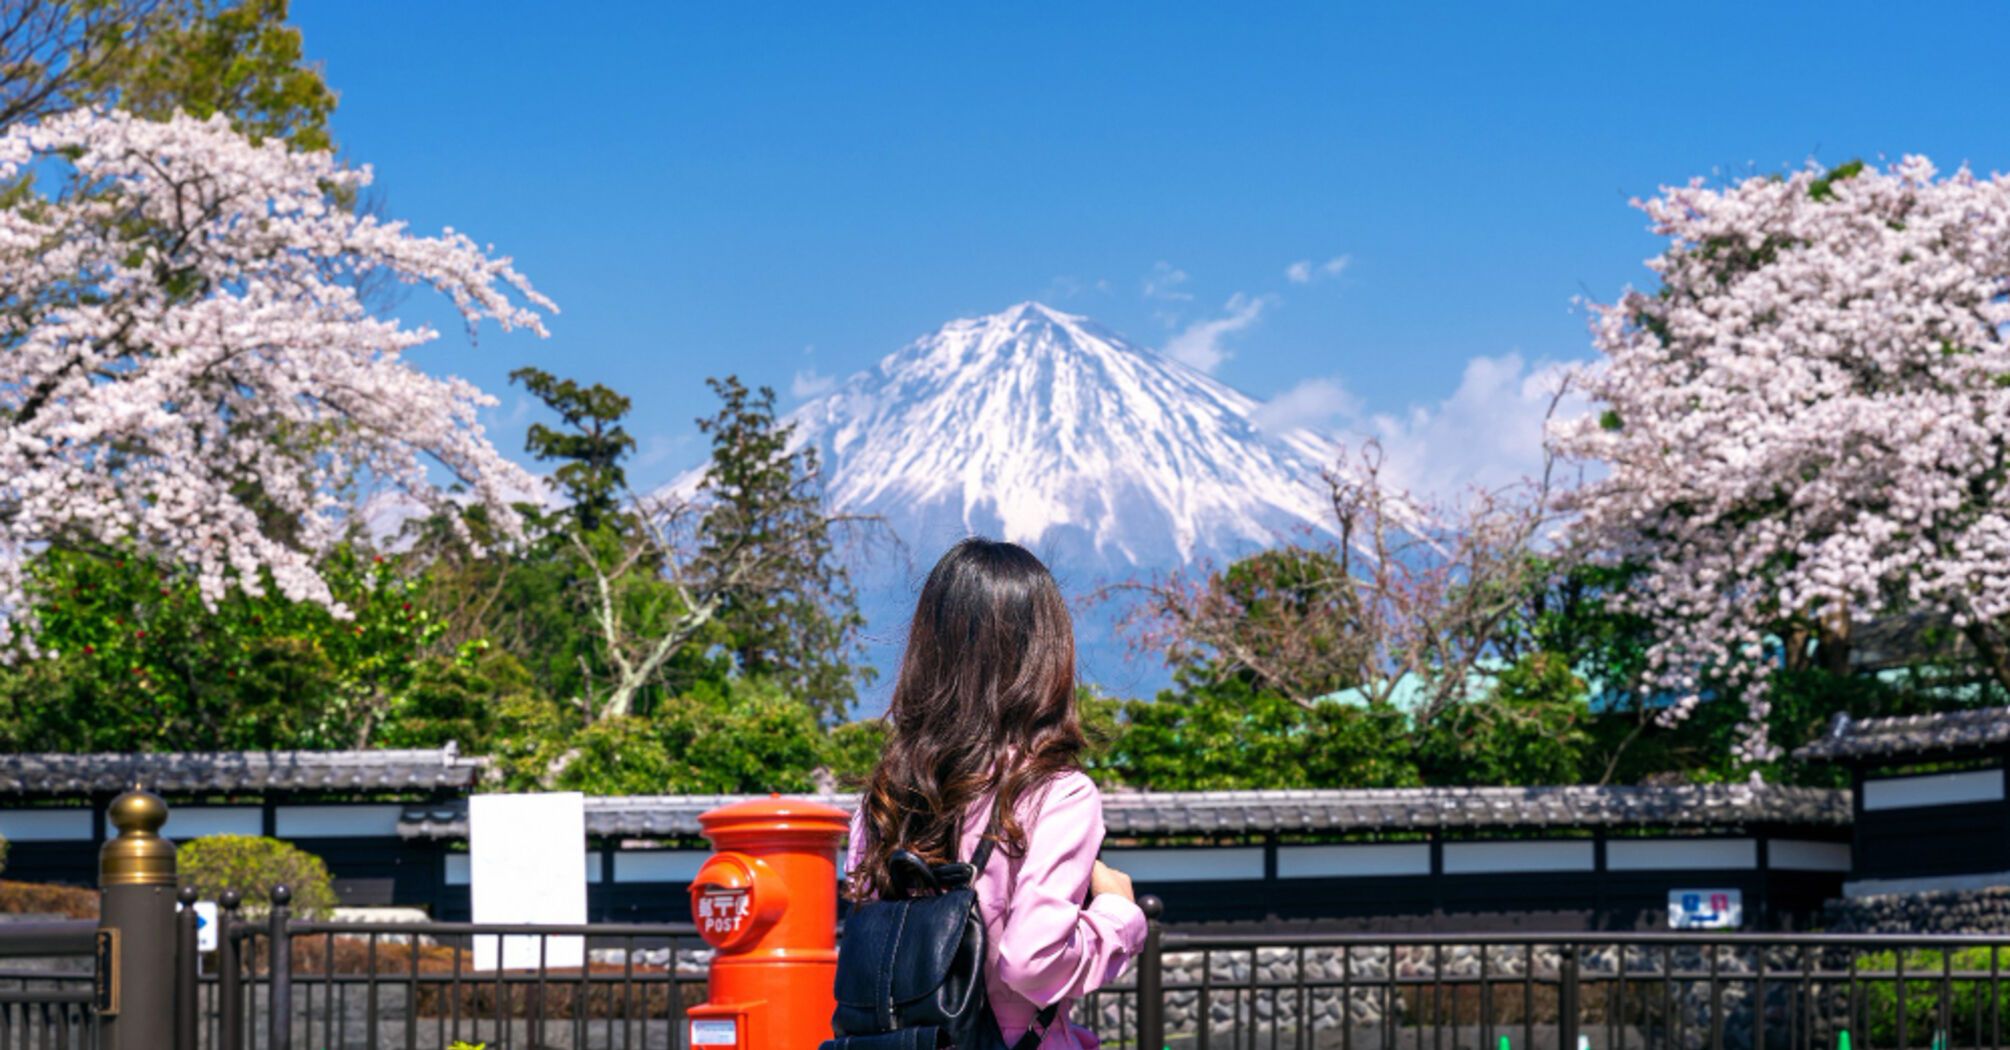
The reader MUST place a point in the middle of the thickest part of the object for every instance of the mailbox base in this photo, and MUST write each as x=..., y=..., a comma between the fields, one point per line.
x=722, y=1026
x=782, y=1004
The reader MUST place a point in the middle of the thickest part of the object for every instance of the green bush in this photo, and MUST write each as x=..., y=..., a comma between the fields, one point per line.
x=854, y=750
x=1968, y=1006
x=252, y=865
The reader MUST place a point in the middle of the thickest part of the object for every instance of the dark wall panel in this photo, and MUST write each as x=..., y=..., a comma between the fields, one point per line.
x=1933, y=840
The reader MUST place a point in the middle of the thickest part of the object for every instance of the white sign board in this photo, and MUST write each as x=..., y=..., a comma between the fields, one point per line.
x=527, y=864
x=205, y=926
x=715, y=1033
x=1705, y=909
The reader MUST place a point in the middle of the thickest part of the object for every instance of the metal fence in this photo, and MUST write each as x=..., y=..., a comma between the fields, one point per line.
x=46, y=986
x=1622, y=991
x=279, y=983
x=347, y=986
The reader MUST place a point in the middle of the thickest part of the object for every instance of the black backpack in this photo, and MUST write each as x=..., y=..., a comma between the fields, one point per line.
x=910, y=970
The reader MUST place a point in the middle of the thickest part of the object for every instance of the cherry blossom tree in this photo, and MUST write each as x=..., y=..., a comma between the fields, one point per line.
x=189, y=369
x=1803, y=427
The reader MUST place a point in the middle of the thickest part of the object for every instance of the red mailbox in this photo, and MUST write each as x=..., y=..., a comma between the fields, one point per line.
x=767, y=901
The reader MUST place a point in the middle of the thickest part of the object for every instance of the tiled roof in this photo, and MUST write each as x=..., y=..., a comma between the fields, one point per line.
x=1711, y=805
x=238, y=771
x=1246, y=812
x=1948, y=732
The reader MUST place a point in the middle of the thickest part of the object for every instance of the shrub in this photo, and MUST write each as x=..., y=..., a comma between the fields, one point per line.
x=252, y=865
x=1969, y=1012
x=34, y=898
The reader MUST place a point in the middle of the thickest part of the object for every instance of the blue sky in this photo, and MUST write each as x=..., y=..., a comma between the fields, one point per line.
x=789, y=192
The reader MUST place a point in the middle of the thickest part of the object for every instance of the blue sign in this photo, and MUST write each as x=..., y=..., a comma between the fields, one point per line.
x=1705, y=909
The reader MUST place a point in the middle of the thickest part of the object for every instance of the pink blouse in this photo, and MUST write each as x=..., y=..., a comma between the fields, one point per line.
x=1045, y=945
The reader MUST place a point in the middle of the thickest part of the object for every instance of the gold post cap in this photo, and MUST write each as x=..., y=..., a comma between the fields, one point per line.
x=139, y=856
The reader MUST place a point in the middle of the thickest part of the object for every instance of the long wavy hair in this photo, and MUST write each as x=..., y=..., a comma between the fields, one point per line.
x=985, y=704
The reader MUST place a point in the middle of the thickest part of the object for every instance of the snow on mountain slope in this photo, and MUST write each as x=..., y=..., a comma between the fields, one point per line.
x=1041, y=427
x=1046, y=429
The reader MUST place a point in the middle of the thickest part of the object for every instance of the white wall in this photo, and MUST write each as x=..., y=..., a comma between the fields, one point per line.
x=193, y=822
x=673, y=865
x=1190, y=864
x=1938, y=789
x=1353, y=861
x=333, y=822
x=1475, y=858
x=1680, y=854
x=45, y=825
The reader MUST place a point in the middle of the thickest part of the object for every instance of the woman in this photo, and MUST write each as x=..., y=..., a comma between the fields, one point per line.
x=984, y=739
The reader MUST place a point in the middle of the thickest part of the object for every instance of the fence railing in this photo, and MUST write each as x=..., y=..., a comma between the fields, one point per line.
x=277, y=982
x=46, y=985
x=1644, y=991
x=281, y=983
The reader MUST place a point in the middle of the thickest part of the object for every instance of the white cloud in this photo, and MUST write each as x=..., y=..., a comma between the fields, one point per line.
x=1199, y=345
x=1069, y=287
x=656, y=448
x=809, y=382
x=1305, y=271
x=1163, y=283
x=1487, y=434
x=1312, y=403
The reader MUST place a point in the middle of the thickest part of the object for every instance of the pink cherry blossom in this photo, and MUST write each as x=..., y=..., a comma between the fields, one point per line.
x=1806, y=422
x=185, y=333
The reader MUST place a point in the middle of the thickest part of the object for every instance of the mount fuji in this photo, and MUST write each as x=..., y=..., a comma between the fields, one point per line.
x=1105, y=458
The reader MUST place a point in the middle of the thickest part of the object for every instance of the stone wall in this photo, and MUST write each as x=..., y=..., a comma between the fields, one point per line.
x=1984, y=911
x=1423, y=996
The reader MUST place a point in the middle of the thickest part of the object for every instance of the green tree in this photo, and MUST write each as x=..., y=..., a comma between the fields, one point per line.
x=157, y=56
x=1530, y=729
x=854, y=751
x=1232, y=734
x=764, y=503
x=135, y=659
x=664, y=645
x=589, y=452
x=735, y=736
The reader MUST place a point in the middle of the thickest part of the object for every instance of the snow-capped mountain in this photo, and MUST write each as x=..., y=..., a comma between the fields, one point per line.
x=1046, y=429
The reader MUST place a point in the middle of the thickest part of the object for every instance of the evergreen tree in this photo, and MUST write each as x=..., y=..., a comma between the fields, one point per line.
x=800, y=630
x=590, y=451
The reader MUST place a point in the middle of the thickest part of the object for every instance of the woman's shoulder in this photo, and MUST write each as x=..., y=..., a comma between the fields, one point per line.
x=1067, y=789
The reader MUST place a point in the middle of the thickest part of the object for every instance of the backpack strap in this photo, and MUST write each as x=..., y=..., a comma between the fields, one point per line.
x=982, y=855
x=1037, y=1032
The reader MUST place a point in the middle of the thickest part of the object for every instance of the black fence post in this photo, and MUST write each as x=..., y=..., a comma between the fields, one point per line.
x=136, y=926
x=1151, y=980
x=1566, y=998
x=279, y=997
x=188, y=967
x=229, y=974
